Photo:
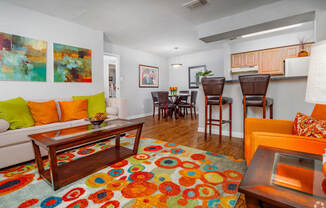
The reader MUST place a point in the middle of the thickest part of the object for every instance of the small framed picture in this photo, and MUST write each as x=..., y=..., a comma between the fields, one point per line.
x=193, y=75
x=148, y=76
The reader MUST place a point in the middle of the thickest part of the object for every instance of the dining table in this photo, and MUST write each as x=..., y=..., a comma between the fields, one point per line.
x=176, y=99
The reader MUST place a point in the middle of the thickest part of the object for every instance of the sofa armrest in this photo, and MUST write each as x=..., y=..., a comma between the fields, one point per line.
x=287, y=142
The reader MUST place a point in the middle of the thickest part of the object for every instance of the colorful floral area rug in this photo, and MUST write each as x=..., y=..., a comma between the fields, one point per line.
x=161, y=175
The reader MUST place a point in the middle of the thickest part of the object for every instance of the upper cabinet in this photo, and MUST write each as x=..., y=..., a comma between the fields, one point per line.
x=242, y=60
x=272, y=61
x=269, y=61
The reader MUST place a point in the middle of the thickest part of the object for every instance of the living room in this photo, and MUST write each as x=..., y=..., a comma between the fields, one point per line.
x=216, y=103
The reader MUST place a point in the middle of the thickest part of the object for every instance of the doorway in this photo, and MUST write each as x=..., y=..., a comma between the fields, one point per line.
x=112, y=75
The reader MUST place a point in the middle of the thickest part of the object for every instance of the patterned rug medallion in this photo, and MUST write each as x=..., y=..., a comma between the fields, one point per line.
x=161, y=175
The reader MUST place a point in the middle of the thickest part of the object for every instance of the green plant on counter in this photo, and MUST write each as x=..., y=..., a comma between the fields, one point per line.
x=206, y=73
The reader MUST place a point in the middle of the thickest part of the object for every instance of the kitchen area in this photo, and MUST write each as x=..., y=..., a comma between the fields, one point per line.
x=285, y=56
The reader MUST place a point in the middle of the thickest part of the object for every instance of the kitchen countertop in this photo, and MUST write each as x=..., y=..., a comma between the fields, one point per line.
x=272, y=78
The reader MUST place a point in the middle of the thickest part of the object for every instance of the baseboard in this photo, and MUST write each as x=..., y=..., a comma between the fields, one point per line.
x=140, y=115
x=224, y=133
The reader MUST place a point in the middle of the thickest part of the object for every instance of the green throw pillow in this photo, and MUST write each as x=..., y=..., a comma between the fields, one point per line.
x=96, y=103
x=17, y=113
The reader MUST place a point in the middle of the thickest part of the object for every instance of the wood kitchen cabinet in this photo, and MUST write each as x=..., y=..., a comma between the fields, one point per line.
x=242, y=60
x=269, y=61
x=272, y=61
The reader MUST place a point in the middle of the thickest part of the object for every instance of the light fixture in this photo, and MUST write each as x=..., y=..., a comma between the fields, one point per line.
x=177, y=64
x=271, y=30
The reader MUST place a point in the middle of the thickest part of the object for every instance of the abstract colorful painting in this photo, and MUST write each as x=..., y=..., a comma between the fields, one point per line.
x=148, y=76
x=72, y=64
x=22, y=59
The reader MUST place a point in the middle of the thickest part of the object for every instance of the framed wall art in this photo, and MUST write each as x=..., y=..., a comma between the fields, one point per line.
x=22, y=58
x=72, y=64
x=193, y=76
x=148, y=76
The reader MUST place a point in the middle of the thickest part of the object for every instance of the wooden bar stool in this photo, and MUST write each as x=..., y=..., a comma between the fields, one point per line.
x=213, y=89
x=254, y=89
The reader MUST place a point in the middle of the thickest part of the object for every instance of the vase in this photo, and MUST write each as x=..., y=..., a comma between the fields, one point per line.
x=303, y=53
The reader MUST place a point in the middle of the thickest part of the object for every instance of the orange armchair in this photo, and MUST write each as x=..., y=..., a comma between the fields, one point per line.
x=278, y=134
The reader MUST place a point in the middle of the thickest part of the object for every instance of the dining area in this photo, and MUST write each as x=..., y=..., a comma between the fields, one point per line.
x=174, y=104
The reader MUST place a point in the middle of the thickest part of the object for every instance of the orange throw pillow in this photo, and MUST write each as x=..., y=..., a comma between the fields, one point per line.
x=307, y=126
x=73, y=110
x=43, y=112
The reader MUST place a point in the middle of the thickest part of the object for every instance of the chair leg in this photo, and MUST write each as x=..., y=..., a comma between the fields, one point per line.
x=230, y=119
x=271, y=112
x=159, y=112
x=195, y=112
x=244, y=115
x=153, y=110
x=191, y=111
x=264, y=107
x=210, y=120
x=221, y=110
x=205, y=120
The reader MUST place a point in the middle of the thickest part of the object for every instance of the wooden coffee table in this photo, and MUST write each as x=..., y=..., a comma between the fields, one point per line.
x=54, y=141
x=281, y=178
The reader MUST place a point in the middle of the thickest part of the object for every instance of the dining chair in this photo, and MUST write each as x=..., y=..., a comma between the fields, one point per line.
x=164, y=104
x=155, y=101
x=191, y=105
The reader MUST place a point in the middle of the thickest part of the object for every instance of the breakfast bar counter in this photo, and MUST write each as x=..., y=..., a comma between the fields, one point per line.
x=288, y=94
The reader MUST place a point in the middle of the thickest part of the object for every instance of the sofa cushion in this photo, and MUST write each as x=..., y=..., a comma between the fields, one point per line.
x=17, y=113
x=44, y=112
x=96, y=103
x=307, y=126
x=73, y=110
x=4, y=125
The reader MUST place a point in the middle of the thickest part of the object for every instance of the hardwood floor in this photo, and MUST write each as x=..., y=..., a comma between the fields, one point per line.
x=184, y=131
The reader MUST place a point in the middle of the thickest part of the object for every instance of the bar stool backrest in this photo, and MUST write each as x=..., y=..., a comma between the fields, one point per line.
x=193, y=97
x=213, y=86
x=163, y=97
x=255, y=85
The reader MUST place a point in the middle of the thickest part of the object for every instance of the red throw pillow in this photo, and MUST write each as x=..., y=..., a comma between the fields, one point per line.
x=307, y=126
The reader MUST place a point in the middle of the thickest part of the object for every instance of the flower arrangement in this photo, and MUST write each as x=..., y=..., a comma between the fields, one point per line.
x=173, y=90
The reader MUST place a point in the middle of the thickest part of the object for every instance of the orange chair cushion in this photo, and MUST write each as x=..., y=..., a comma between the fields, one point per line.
x=73, y=110
x=319, y=112
x=307, y=126
x=43, y=112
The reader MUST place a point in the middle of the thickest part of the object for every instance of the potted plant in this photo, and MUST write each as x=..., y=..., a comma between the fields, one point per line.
x=206, y=73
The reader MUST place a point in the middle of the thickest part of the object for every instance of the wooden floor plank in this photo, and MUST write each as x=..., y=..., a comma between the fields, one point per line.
x=184, y=131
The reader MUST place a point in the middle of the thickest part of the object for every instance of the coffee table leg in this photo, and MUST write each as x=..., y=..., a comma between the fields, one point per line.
x=38, y=158
x=117, y=140
x=53, y=167
x=135, y=150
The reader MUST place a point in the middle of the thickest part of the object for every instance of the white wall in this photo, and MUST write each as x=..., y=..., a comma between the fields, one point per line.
x=139, y=99
x=28, y=23
x=213, y=59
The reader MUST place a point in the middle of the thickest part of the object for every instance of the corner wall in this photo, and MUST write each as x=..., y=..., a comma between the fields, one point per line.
x=139, y=99
x=28, y=23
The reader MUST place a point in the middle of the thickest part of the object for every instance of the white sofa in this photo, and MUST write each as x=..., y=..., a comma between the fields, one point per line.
x=16, y=147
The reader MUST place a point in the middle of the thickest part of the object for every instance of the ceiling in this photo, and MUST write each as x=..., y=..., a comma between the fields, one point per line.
x=155, y=26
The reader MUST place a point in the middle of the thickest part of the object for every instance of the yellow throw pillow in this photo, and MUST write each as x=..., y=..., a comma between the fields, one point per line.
x=73, y=110
x=16, y=113
x=44, y=112
x=96, y=103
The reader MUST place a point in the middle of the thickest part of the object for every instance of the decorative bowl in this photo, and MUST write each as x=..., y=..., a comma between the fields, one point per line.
x=95, y=122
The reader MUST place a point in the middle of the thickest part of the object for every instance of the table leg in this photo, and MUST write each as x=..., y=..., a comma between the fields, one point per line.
x=38, y=158
x=135, y=150
x=117, y=140
x=53, y=168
